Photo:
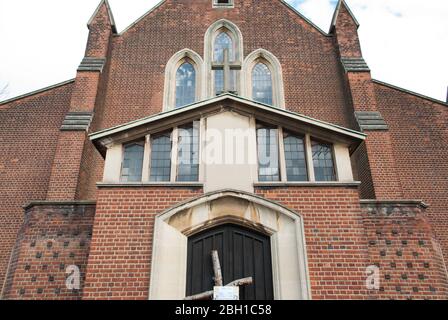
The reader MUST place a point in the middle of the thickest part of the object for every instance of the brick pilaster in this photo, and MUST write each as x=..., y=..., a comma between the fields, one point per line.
x=71, y=142
x=380, y=160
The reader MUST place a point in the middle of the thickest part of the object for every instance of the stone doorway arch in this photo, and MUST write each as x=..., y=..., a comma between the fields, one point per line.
x=284, y=226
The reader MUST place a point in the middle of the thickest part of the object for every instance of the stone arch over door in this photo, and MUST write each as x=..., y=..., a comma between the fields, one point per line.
x=284, y=226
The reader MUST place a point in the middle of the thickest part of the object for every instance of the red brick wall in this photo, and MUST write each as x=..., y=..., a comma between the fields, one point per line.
x=52, y=237
x=75, y=155
x=122, y=239
x=361, y=172
x=335, y=238
x=347, y=34
x=311, y=70
x=66, y=165
x=121, y=248
x=312, y=75
x=100, y=33
x=29, y=129
x=403, y=245
x=385, y=179
x=419, y=134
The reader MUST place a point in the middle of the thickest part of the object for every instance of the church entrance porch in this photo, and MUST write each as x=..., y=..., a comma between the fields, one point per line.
x=254, y=238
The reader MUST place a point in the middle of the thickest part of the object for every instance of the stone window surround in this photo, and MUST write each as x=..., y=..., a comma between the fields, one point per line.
x=204, y=73
x=341, y=159
x=284, y=226
x=209, y=39
x=180, y=57
x=264, y=56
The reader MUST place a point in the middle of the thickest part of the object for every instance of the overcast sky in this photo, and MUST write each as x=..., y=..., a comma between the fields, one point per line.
x=405, y=42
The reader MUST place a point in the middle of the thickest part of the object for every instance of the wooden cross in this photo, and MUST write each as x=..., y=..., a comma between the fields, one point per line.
x=218, y=280
x=227, y=66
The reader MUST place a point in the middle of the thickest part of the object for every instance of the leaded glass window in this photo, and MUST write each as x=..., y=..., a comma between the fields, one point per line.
x=188, y=153
x=185, y=85
x=131, y=170
x=222, y=42
x=323, y=161
x=268, y=153
x=223, y=63
x=295, y=158
x=262, y=83
x=219, y=80
x=160, y=169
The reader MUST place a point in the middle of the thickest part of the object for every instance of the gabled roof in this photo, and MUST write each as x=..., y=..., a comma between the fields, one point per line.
x=32, y=93
x=294, y=10
x=336, y=14
x=348, y=134
x=382, y=83
x=109, y=11
x=304, y=18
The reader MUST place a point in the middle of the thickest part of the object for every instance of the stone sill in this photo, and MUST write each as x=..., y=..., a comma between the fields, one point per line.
x=307, y=184
x=150, y=184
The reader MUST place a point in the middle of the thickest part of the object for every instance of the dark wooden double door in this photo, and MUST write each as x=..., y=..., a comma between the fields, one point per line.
x=242, y=253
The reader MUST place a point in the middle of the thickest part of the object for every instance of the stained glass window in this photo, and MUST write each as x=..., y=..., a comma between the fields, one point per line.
x=188, y=153
x=323, y=161
x=295, y=158
x=131, y=170
x=185, y=85
x=262, y=84
x=268, y=154
x=160, y=169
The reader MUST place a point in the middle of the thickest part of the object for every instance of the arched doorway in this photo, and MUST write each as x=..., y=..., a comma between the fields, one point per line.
x=283, y=227
x=243, y=253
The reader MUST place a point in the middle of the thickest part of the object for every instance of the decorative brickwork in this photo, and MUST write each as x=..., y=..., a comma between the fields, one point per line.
x=419, y=137
x=403, y=246
x=52, y=237
x=29, y=128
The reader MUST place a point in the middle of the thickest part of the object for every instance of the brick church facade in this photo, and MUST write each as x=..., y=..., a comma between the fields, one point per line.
x=118, y=173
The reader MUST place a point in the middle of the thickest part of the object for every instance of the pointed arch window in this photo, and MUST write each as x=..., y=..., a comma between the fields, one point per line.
x=185, y=85
x=183, y=80
x=224, y=65
x=223, y=42
x=262, y=78
x=223, y=54
x=262, y=83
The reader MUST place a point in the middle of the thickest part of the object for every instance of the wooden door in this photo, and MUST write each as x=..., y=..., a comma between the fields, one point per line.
x=242, y=253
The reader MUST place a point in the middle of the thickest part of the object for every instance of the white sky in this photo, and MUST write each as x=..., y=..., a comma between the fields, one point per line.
x=405, y=42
